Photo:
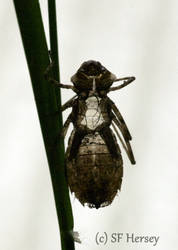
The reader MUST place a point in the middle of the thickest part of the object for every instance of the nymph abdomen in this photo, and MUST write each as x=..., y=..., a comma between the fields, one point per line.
x=94, y=176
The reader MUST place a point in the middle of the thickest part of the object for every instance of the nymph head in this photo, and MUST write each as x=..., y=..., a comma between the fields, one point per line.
x=89, y=70
x=92, y=69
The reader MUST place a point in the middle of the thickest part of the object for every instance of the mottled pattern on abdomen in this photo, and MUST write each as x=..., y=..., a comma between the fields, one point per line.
x=94, y=176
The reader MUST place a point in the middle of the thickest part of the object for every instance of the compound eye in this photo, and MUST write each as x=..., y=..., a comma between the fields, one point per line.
x=99, y=64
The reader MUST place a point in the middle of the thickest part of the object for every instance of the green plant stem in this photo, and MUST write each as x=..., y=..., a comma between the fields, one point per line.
x=53, y=37
x=47, y=102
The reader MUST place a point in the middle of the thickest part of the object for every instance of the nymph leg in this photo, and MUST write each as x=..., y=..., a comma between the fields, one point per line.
x=127, y=80
x=120, y=119
x=126, y=146
x=109, y=140
x=66, y=125
x=78, y=137
x=53, y=81
x=68, y=104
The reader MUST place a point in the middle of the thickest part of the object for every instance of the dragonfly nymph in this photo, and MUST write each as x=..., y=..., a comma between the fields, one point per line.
x=93, y=158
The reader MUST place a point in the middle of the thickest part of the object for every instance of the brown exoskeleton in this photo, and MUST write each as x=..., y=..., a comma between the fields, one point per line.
x=93, y=157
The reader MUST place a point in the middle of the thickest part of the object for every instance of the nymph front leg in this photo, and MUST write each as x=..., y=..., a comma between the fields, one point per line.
x=127, y=80
x=53, y=81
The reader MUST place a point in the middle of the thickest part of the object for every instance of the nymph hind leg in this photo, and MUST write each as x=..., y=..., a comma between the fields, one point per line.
x=63, y=132
x=126, y=145
x=120, y=123
x=120, y=120
x=65, y=106
x=66, y=126
x=107, y=135
x=80, y=133
x=126, y=135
